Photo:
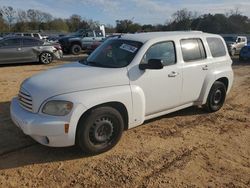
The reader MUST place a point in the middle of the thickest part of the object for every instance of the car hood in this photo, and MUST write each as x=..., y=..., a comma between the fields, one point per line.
x=72, y=77
x=69, y=38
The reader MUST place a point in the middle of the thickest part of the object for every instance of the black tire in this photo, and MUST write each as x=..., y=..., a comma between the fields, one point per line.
x=240, y=58
x=100, y=130
x=46, y=58
x=216, y=97
x=76, y=49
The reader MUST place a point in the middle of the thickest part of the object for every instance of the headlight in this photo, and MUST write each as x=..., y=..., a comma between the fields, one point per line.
x=57, y=108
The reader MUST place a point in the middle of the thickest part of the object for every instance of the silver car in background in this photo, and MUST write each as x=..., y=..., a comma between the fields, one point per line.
x=28, y=49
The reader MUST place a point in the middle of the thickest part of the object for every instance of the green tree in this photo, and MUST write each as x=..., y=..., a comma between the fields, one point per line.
x=58, y=25
x=74, y=22
x=182, y=20
x=127, y=26
x=3, y=25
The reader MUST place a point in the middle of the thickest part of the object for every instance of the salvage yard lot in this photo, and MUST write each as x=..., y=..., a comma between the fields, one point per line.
x=184, y=149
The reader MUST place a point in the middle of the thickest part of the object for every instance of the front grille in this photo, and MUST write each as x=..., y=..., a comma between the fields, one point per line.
x=25, y=100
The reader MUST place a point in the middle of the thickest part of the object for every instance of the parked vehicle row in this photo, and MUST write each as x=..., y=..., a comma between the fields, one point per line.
x=36, y=35
x=28, y=49
x=235, y=44
x=125, y=81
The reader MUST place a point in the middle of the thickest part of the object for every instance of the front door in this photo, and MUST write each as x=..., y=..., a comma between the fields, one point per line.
x=10, y=50
x=162, y=88
x=88, y=39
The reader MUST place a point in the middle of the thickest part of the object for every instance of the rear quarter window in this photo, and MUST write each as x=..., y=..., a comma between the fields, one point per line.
x=216, y=47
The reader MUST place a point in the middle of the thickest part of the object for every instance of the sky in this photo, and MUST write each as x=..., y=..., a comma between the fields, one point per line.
x=140, y=11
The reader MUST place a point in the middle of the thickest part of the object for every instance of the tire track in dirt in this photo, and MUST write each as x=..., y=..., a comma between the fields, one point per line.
x=172, y=160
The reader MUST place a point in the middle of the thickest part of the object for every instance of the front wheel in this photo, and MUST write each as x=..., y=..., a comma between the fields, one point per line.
x=216, y=97
x=46, y=58
x=100, y=130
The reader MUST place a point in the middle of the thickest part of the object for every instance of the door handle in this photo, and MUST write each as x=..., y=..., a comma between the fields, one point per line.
x=19, y=49
x=173, y=74
x=205, y=67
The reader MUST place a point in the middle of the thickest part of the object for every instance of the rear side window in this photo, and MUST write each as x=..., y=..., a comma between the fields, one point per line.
x=31, y=42
x=216, y=47
x=99, y=34
x=192, y=50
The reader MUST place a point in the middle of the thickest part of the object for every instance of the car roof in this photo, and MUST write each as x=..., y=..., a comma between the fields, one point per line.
x=144, y=37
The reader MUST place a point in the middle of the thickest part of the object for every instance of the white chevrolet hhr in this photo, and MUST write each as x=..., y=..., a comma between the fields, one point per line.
x=125, y=81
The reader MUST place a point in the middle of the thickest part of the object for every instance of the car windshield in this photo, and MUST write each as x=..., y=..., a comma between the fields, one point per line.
x=113, y=53
x=230, y=39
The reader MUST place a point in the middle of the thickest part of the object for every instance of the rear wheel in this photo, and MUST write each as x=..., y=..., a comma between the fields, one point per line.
x=76, y=49
x=100, y=131
x=46, y=58
x=216, y=97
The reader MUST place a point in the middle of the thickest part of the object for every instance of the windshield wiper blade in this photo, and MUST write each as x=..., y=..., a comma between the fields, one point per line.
x=95, y=64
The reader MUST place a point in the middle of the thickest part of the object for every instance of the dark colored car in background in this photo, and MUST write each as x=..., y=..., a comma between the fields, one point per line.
x=245, y=53
x=28, y=49
x=81, y=40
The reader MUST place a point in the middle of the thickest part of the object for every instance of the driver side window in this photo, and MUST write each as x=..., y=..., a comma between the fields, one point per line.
x=165, y=51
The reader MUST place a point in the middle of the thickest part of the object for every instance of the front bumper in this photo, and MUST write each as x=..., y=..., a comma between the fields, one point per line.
x=45, y=129
x=58, y=54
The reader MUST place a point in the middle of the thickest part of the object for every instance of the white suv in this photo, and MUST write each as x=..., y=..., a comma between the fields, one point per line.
x=125, y=81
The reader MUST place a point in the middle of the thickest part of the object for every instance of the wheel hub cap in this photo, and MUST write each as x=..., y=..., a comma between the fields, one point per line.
x=102, y=130
x=46, y=58
x=217, y=96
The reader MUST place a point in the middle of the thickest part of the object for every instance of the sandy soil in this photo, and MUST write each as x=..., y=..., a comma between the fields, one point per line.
x=189, y=148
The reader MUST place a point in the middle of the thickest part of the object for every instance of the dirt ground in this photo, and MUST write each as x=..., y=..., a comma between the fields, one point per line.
x=189, y=148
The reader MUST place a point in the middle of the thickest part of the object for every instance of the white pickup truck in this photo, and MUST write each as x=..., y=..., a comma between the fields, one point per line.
x=125, y=81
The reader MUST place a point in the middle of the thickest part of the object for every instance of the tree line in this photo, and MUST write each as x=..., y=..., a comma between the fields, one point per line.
x=17, y=20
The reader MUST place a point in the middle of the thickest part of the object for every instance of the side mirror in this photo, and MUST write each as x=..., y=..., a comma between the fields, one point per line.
x=152, y=64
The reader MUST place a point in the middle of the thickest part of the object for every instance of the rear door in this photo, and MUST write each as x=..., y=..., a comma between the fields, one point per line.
x=31, y=48
x=195, y=68
x=10, y=50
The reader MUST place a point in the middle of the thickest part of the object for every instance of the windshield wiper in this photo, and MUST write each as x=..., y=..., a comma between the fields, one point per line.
x=92, y=63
